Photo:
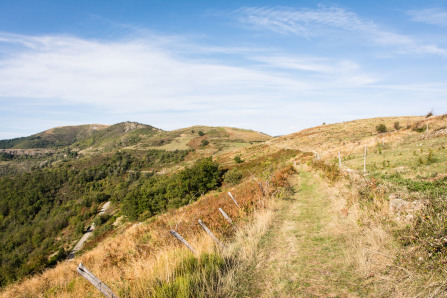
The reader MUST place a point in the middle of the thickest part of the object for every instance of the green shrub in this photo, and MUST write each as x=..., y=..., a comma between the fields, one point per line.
x=201, y=133
x=103, y=218
x=238, y=159
x=397, y=125
x=233, y=177
x=381, y=128
x=205, y=143
x=419, y=128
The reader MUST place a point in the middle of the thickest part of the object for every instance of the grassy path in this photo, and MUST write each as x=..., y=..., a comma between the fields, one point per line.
x=300, y=256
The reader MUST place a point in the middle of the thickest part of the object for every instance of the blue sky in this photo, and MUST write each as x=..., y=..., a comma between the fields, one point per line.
x=271, y=66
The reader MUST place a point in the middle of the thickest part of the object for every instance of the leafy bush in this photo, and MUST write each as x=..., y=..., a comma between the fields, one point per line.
x=238, y=159
x=103, y=218
x=418, y=128
x=201, y=133
x=204, y=143
x=233, y=176
x=381, y=128
x=397, y=125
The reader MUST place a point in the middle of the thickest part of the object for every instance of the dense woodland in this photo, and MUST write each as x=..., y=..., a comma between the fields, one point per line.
x=44, y=210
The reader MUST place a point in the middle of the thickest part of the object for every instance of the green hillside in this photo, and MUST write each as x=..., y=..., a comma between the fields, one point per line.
x=314, y=216
x=53, y=138
x=52, y=183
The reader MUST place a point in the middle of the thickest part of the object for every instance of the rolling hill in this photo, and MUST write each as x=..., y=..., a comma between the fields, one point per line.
x=318, y=224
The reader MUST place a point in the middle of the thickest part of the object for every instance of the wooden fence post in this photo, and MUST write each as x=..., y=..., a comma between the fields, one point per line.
x=176, y=235
x=102, y=287
x=226, y=216
x=234, y=200
x=259, y=183
x=210, y=233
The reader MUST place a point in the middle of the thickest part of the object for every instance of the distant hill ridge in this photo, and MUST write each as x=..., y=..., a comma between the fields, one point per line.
x=134, y=135
x=67, y=135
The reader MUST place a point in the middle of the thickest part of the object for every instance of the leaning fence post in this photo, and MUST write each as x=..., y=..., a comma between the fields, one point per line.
x=205, y=228
x=176, y=235
x=102, y=287
x=234, y=200
x=226, y=216
x=259, y=183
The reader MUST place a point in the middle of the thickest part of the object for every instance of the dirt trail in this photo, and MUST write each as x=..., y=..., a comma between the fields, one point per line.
x=301, y=255
x=87, y=234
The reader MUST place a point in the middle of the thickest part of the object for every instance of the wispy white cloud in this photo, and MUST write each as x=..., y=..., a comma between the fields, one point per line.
x=304, y=22
x=143, y=76
x=138, y=74
x=432, y=16
x=326, y=21
x=160, y=81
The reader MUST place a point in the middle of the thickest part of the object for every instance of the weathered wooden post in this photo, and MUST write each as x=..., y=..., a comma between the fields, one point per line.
x=226, y=216
x=234, y=200
x=176, y=235
x=205, y=228
x=259, y=183
x=102, y=287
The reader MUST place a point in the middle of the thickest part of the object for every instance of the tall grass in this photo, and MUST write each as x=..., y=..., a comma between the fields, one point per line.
x=143, y=259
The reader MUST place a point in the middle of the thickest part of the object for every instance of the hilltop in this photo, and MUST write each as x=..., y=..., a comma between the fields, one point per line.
x=318, y=223
x=42, y=149
x=53, y=138
x=133, y=135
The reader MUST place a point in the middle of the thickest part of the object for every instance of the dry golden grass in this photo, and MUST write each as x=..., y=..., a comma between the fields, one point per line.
x=350, y=137
x=133, y=260
x=220, y=138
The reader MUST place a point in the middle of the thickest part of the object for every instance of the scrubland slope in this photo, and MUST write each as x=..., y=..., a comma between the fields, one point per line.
x=326, y=230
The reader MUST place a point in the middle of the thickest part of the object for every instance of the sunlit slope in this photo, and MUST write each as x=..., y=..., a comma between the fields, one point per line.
x=54, y=137
x=352, y=136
